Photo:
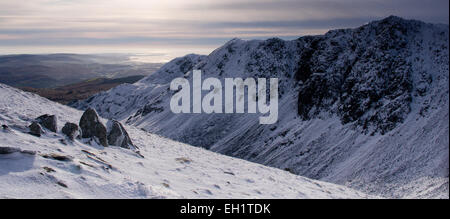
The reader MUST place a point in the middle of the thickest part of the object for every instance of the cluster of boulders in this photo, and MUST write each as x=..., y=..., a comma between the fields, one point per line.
x=90, y=127
x=45, y=121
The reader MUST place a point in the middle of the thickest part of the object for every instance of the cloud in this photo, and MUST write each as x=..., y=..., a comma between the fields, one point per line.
x=196, y=23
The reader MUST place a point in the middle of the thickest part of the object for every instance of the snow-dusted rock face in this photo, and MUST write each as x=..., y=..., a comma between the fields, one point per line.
x=118, y=136
x=366, y=75
x=71, y=130
x=48, y=121
x=364, y=107
x=36, y=129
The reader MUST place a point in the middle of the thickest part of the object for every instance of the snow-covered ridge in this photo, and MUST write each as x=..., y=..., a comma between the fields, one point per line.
x=51, y=166
x=364, y=107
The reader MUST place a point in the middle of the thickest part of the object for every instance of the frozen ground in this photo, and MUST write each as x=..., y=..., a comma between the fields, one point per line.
x=53, y=167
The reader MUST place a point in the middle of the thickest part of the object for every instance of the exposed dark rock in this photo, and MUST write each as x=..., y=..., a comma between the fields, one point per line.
x=6, y=128
x=60, y=183
x=305, y=64
x=369, y=88
x=57, y=157
x=48, y=121
x=183, y=160
x=186, y=64
x=229, y=173
x=10, y=150
x=71, y=130
x=149, y=108
x=139, y=154
x=48, y=169
x=289, y=170
x=36, y=129
x=118, y=136
x=91, y=127
x=28, y=152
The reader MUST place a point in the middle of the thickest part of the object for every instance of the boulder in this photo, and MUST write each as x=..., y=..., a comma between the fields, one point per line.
x=36, y=129
x=71, y=130
x=118, y=136
x=91, y=127
x=48, y=121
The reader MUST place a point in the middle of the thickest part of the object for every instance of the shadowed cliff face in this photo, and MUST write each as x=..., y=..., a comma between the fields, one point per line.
x=362, y=75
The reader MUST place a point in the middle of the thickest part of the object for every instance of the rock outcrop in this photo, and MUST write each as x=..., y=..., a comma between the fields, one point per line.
x=118, y=136
x=365, y=82
x=11, y=150
x=36, y=129
x=48, y=121
x=71, y=130
x=91, y=127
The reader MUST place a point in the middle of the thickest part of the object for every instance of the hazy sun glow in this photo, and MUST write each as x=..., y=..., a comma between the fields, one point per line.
x=177, y=27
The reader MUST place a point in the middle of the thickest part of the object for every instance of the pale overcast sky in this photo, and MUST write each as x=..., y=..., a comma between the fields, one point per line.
x=177, y=27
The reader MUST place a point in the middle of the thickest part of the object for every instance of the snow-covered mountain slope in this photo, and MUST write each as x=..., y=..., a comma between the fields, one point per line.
x=51, y=166
x=364, y=107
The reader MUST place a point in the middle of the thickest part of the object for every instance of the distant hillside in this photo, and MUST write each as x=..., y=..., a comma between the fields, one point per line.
x=52, y=166
x=366, y=107
x=55, y=70
x=82, y=90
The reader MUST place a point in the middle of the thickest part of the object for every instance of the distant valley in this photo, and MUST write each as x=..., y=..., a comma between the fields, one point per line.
x=67, y=77
x=82, y=90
